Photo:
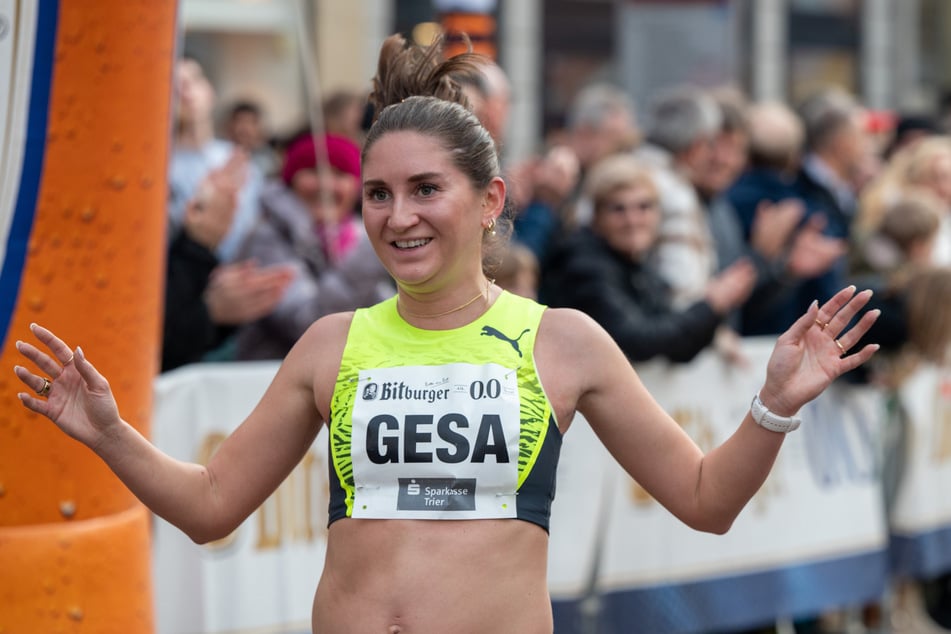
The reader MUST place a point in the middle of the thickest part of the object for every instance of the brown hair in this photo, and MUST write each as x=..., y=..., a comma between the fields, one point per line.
x=912, y=218
x=929, y=324
x=416, y=90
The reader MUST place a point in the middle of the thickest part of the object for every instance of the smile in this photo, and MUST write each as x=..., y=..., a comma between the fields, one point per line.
x=410, y=244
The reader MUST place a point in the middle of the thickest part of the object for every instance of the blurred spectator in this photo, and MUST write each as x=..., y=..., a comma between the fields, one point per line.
x=776, y=139
x=205, y=301
x=601, y=121
x=729, y=159
x=925, y=164
x=490, y=98
x=518, y=271
x=343, y=112
x=774, y=222
x=309, y=222
x=731, y=143
x=681, y=142
x=604, y=270
x=903, y=240
x=196, y=152
x=541, y=189
x=908, y=288
x=245, y=127
x=837, y=149
x=910, y=129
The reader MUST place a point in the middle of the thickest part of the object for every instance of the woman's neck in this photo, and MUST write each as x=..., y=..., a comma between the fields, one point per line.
x=449, y=310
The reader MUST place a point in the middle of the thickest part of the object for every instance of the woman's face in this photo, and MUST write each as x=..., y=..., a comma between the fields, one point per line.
x=628, y=220
x=422, y=213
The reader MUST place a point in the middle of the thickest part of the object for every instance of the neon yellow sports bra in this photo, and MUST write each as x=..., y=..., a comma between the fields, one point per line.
x=443, y=424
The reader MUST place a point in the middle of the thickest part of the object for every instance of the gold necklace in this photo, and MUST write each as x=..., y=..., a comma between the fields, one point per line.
x=484, y=293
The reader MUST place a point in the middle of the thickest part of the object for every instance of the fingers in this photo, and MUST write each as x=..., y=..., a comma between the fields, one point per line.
x=855, y=334
x=89, y=373
x=800, y=326
x=853, y=361
x=829, y=310
x=56, y=345
x=53, y=365
x=34, y=382
x=39, y=358
x=842, y=308
x=38, y=405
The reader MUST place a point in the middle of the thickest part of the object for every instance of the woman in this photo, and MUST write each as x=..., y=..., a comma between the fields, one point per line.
x=435, y=400
x=898, y=258
x=604, y=270
x=309, y=224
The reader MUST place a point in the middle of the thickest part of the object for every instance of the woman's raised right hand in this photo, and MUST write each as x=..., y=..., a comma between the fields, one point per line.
x=79, y=399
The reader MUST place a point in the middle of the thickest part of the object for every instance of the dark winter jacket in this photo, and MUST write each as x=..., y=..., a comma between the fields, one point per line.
x=628, y=299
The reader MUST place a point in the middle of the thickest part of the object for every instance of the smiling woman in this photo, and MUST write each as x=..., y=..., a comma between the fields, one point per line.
x=606, y=271
x=446, y=404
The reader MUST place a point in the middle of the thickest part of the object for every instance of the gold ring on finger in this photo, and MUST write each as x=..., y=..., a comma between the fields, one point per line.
x=822, y=324
x=43, y=391
x=839, y=343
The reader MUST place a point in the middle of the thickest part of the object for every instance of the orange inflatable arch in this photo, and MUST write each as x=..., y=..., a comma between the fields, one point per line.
x=82, y=232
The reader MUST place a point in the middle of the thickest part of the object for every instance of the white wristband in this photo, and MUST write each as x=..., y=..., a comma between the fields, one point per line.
x=773, y=422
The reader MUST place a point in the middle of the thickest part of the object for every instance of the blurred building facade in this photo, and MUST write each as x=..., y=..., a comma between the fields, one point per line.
x=286, y=54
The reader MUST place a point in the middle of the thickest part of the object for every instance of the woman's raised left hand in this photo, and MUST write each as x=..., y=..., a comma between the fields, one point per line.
x=814, y=351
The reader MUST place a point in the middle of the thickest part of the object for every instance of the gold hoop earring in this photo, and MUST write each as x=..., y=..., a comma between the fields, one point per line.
x=490, y=228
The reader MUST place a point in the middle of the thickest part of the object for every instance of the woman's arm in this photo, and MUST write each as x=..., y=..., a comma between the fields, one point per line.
x=206, y=502
x=706, y=492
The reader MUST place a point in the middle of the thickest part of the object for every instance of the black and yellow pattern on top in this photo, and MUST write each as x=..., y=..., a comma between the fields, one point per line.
x=504, y=335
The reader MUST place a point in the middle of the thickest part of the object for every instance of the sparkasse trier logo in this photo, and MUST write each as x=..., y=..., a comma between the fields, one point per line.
x=436, y=494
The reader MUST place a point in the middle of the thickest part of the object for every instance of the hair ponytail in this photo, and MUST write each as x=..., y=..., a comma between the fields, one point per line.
x=406, y=70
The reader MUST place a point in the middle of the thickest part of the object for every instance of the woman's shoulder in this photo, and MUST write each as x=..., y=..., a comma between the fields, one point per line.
x=566, y=328
x=326, y=336
x=573, y=355
x=317, y=353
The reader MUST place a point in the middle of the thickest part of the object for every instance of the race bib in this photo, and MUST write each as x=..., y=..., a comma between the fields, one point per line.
x=436, y=442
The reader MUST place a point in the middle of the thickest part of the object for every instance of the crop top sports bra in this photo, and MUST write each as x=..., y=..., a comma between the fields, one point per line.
x=442, y=424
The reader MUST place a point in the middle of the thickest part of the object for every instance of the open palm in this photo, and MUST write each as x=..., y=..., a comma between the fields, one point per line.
x=79, y=399
x=812, y=353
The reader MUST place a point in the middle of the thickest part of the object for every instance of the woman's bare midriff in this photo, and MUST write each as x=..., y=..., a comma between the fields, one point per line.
x=421, y=576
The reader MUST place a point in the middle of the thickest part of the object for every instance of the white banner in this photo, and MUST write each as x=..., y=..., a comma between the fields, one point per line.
x=262, y=578
x=921, y=516
x=817, y=520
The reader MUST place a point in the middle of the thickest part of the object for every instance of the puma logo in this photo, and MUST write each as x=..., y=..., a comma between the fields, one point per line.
x=489, y=331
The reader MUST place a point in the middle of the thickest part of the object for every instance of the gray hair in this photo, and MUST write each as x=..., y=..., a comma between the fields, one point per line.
x=595, y=103
x=682, y=116
x=824, y=114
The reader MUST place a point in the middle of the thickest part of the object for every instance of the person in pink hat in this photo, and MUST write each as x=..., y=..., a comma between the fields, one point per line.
x=309, y=220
